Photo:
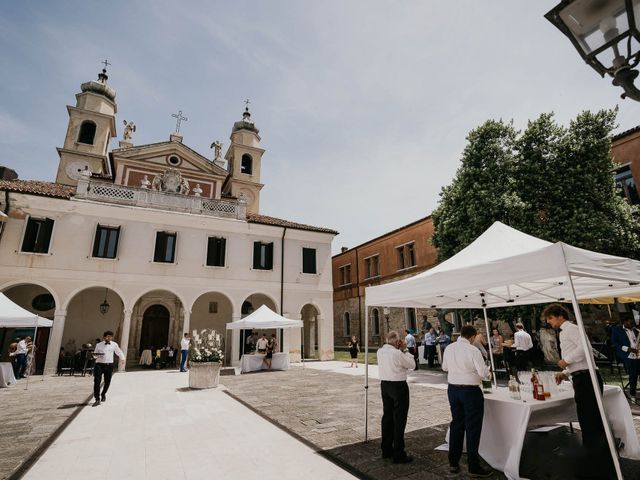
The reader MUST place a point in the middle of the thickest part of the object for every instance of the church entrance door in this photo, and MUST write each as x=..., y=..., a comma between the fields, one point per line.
x=155, y=328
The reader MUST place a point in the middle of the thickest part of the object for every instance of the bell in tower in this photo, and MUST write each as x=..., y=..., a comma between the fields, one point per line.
x=92, y=124
x=244, y=158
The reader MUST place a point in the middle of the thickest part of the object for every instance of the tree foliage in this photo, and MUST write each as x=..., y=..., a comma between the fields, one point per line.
x=550, y=181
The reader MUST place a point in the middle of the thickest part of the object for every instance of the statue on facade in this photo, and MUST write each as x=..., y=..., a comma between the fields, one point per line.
x=129, y=129
x=170, y=180
x=217, y=146
x=145, y=183
x=197, y=191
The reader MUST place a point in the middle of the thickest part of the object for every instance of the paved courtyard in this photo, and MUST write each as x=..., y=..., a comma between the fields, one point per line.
x=29, y=418
x=303, y=422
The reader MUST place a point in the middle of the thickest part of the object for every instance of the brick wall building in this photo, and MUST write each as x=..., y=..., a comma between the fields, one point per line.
x=625, y=150
x=398, y=254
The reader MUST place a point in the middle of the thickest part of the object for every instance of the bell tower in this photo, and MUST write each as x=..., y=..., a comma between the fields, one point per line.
x=92, y=124
x=244, y=158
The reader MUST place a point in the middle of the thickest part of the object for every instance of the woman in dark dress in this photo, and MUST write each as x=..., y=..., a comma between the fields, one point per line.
x=354, y=349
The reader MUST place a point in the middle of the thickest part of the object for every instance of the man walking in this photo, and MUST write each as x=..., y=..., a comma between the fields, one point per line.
x=466, y=369
x=522, y=344
x=184, y=352
x=574, y=363
x=393, y=364
x=625, y=340
x=103, y=354
x=412, y=346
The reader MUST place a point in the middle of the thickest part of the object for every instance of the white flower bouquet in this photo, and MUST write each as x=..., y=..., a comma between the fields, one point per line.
x=207, y=346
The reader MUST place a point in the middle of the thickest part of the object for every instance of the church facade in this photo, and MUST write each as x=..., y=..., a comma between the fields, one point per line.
x=151, y=241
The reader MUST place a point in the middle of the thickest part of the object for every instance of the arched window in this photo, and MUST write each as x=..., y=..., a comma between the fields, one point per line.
x=87, y=132
x=246, y=166
x=346, y=327
x=375, y=322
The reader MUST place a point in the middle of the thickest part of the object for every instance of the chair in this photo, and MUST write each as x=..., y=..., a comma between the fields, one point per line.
x=65, y=364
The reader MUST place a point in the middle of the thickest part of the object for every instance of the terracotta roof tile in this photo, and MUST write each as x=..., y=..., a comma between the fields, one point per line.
x=35, y=187
x=620, y=135
x=278, y=222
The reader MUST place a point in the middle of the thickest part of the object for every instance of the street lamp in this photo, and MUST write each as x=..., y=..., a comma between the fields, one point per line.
x=605, y=33
x=104, y=306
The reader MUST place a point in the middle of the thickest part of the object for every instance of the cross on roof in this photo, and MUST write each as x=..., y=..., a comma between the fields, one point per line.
x=246, y=103
x=105, y=62
x=180, y=119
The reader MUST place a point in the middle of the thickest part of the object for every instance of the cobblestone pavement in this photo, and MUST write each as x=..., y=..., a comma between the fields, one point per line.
x=29, y=418
x=326, y=409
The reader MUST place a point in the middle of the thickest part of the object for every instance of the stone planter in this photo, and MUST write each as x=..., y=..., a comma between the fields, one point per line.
x=204, y=375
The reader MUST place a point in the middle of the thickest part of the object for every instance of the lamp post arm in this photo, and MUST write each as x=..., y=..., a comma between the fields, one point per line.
x=625, y=77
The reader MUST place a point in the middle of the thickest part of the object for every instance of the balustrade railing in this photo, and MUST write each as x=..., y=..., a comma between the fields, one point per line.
x=141, y=197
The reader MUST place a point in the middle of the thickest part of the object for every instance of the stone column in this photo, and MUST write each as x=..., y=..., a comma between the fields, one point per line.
x=185, y=323
x=124, y=340
x=55, y=342
x=286, y=332
x=235, y=343
x=295, y=341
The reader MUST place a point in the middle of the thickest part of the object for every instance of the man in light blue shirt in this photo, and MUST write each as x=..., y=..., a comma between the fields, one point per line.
x=412, y=346
x=430, y=347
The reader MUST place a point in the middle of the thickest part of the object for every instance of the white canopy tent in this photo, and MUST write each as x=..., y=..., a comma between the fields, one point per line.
x=14, y=316
x=264, y=318
x=505, y=267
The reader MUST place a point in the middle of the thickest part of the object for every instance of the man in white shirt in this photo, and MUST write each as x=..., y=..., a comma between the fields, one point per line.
x=394, y=362
x=412, y=346
x=466, y=369
x=574, y=363
x=21, y=356
x=261, y=344
x=430, y=347
x=184, y=351
x=103, y=354
x=522, y=344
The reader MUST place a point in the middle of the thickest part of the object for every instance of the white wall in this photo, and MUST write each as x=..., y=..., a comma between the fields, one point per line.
x=69, y=267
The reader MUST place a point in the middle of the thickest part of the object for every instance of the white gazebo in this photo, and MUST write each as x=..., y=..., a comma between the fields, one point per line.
x=504, y=267
x=264, y=319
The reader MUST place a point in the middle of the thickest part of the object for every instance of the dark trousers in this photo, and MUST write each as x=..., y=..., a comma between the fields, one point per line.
x=183, y=359
x=414, y=351
x=395, y=407
x=430, y=354
x=631, y=366
x=594, y=438
x=100, y=370
x=467, y=410
x=522, y=360
x=22, y=364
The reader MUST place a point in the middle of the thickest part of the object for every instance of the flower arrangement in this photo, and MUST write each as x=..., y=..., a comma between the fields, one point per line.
x=207, y=346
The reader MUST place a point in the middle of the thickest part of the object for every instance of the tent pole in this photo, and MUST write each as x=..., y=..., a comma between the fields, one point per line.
x=493, y=366
x=366, y=373
x=594, y=379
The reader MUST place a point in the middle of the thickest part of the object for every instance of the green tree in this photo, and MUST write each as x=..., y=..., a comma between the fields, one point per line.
x=553, y=182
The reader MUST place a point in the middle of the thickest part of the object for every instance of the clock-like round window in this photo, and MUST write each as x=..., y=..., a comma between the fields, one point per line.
x=173, y=160
x=43, y=302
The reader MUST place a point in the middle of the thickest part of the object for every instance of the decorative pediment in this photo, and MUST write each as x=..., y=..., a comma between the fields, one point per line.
x=167, y=166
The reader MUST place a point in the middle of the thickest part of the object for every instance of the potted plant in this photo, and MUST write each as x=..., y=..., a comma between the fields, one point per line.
x=206, y=356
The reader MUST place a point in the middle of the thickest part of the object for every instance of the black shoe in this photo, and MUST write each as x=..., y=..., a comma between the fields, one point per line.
x=454, y=468
x=96, y=403
x=480, y=473
x=387, y=455
x=405, y=459
x=103, y=398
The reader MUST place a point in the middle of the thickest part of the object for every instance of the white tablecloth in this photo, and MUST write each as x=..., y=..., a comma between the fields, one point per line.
x=506, y=422
x=6, y=375
x=146, y=358
x=252, y=363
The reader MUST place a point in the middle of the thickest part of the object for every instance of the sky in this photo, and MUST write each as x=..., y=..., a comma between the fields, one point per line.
x=363, y=106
